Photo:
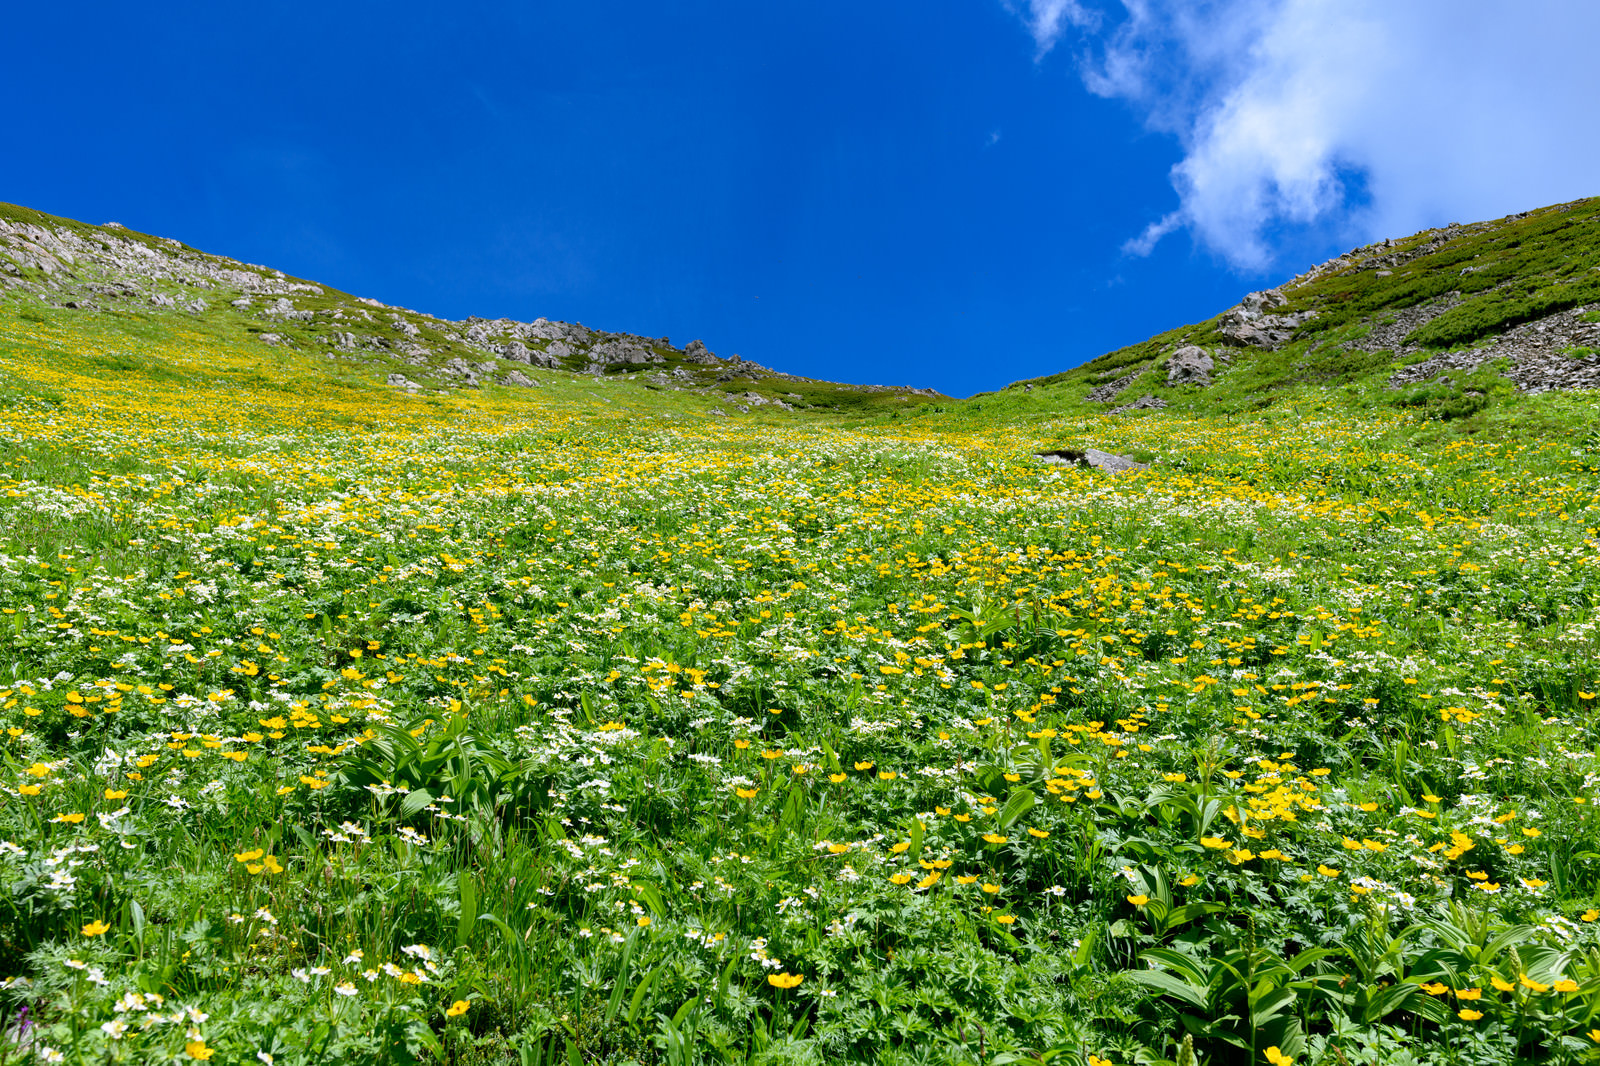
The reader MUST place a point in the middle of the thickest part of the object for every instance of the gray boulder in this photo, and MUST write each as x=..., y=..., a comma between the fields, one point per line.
x=515, y=351
x=195, y=307
x=696, y=352
x=462, y=371
x=1114, y=464
x=400, y=381
x=1146, y=402
x=161, y=300
x=1190, y=365
x=521, y=380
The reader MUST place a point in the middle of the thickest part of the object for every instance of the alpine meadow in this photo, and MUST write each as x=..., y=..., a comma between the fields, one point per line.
x=382, y=689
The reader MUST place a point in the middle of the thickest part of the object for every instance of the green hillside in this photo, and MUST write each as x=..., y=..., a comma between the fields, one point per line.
x=609, y=716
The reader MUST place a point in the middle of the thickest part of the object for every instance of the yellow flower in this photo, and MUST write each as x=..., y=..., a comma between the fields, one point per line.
x=969, y=880
x=1039, y=833
x=994, y=838
x=887, y=775
x=1433, y=988
x=1470, y=1015
x=931, y=880
x=784, y=980
x=991, y=889
x=95, y=928
x=248, y=856
x=1278, y=1058
x=1469, y=993
x=900, y=879
x=73, y=818
x=1529, y=983
x=643, y=922
x=836, y=778
x=1005, y=919
x=115, y=794
x=1139, y=901
x=1565, y=985
x=864, y=765
x=197, y=1050
x=1501, y=984
x=1590, y=915
x=1190, y=881
x=747, y=793
x=838, y=849
x=457, y=1009
x=1327, y=871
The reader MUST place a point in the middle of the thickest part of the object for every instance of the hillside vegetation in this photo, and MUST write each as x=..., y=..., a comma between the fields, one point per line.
x=346, y=722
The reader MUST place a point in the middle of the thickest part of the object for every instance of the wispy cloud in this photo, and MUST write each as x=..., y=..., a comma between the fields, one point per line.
x=1355, y=118
x=1047, y=20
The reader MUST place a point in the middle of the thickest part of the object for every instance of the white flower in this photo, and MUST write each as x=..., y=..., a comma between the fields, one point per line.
x=114, y=1028
x=345, y=988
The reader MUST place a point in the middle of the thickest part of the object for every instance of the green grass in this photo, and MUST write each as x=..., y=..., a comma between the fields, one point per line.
x=848, y=733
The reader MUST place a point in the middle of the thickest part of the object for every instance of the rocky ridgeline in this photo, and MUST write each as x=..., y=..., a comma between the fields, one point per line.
x=96, y=268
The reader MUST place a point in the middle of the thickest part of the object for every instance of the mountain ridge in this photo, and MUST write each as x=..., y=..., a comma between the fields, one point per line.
x=1511, y=300
x=80, y=266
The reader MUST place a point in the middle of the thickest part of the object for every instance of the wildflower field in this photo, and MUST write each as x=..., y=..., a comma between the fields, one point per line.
x=341, y=725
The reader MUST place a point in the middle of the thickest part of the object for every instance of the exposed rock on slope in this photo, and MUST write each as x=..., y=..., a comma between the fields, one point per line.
x=101, y=268
x=1517, y=297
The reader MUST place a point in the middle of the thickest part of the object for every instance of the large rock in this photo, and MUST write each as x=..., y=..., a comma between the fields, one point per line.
x=1190, y=365
x=696, y=352
x=515, y=351
x=1114, y=464
x=1251, y=325
x=1146, y=402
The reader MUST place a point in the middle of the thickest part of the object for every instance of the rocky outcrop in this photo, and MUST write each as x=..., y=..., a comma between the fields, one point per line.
x=1252, y=323
x=1560, y=351
x=1189, y=365
x=1092, y=457
x=1147, y=402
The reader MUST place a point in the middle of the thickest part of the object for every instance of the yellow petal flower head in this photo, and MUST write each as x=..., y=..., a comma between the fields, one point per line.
x=785, y=980
x=457, y=1009
x=95, y=928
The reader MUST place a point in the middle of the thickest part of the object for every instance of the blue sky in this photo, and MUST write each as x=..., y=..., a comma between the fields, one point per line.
x=955, y=193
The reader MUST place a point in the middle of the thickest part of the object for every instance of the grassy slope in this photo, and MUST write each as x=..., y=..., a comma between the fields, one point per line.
x=1328, y=607
x=1504, y=273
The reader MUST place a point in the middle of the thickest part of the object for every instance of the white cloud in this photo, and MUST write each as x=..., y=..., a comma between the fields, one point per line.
x=1358, y=118
x=1047, y=20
